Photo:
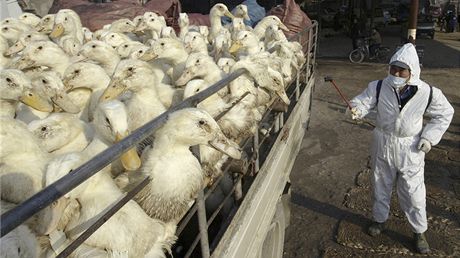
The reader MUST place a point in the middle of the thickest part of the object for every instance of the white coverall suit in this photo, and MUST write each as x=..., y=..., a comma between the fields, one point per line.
x=394, y=150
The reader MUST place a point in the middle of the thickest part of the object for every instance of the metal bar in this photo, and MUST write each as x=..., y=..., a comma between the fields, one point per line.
x=46, y=196
x=202, y=224
x=214, y=215
x=99, y=222
x=256, y=151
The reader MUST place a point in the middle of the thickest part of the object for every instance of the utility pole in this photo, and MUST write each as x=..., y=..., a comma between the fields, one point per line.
x=412, y=28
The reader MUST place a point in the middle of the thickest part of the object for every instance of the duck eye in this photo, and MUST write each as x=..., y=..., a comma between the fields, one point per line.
x=93, y=46
x=130, y=69
x=197, y=90
x=30, y=94
x=197, y=61
x=162, y=44
x=44, y=81
x=65, y=19
x=202, y=122
x=5, y=28
x=125, y=45
x=113, y=36
x=107, y=121
x=43, y=128
x=8, y=79
x=29, y=36
x=40, y=47
x=47, y=19
x=77, y=71
x=127, y=23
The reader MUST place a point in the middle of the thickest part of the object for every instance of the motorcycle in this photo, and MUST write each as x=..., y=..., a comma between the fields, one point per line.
x=362, y=52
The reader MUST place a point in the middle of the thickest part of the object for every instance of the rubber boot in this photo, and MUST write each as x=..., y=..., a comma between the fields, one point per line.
x=421, y=244
x=376, y=228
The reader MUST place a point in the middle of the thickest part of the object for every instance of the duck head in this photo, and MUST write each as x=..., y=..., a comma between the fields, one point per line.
x=193, y=126
x=50, y=85
x=167, y=48
x=46, y=24
x=111, y=123
x=67, y=22
x=84, y=75
x=196, y=65
x=57, y=130
x=30, y=19
x=130, y=74
x=220, y=10
x=16, y=86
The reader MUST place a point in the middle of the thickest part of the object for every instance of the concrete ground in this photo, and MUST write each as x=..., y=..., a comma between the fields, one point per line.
x=331, y=206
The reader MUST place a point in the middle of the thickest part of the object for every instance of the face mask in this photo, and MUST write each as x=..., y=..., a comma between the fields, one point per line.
x=396, y=82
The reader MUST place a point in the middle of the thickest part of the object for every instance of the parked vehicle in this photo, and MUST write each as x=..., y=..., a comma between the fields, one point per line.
x=256, y=224
x=362, y=52
x=425, y=28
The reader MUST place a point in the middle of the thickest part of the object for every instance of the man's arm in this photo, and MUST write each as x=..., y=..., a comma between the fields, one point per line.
x=441, y=113
x=366, y=101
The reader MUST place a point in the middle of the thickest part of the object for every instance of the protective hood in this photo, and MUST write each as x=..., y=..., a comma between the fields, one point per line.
x=408, y=54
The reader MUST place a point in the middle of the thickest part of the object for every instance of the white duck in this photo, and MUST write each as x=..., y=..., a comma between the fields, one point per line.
x=46, y=24
x=23, y=161
x=168, y=195
x=111, y=125
x=67, y=22
x=195, y=43
x=126, y=49
x=86, y=77
x=29, y=19
x=129, y=232
x=115, y=39
x=151, y=26
x=146, y=102
x=61, y=133
x=24, y=39
x=4, y=46
x=202, y=66
x=259, y=29
x=184, y=24
x=246, y=44
x=44, y=53
x=215, y=15
x=170, y=51
x=214, y=104
x=225, y=64
x=15, y=86
x=100, y=53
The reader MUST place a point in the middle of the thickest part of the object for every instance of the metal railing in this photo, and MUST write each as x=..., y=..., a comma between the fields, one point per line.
x=25, y=210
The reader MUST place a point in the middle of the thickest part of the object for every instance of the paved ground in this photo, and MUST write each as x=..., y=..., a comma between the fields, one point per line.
x=330, y=184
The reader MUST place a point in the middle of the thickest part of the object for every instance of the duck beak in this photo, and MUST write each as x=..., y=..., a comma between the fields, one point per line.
x=229, y=15
x=62, y=100
x=35, y=101
x=23, y=63
x=282, y=94
x=115, y=88
x=283, y=27
x=224, y=145
x=184, y=78
x=148, y=55
x=235, y=46
x=15, y=49
x=246, y=17
x=58, y=30
x=53, y=214
x=78, y=58
x=130, y=160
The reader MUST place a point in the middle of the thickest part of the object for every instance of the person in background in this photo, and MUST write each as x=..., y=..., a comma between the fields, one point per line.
x=355, y=33
x=400, y=140
x=375, y=40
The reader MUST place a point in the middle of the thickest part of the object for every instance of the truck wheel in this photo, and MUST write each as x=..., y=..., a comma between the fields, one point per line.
x=274, y=241
x=356, y=56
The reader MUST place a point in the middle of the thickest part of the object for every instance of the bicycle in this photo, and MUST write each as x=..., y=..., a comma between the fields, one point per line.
x=358, y=55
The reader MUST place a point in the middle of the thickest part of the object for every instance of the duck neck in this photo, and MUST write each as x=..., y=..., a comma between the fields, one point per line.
x=59, y=64
x=213, y=74
x=77, y=143
x=8, y=108
x=180, y=58
x=96, y=146
x=260, y=28
x=216, y=23
x=110, y=63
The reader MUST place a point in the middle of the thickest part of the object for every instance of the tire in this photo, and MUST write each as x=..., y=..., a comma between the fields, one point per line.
x=382, y=54
x=356, y=56
x=273, y=245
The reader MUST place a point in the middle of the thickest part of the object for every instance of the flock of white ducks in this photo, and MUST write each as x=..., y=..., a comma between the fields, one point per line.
x=68, y=93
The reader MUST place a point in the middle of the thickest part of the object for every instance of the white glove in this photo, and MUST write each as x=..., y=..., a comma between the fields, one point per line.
x=424, y=145
x=355, y=114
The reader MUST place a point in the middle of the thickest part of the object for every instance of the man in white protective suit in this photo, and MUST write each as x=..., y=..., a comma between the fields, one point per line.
x=400, y=140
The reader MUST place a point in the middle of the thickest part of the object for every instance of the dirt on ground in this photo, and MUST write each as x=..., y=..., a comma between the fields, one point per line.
x=331, y=195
